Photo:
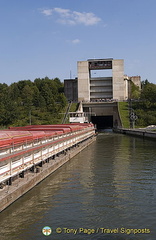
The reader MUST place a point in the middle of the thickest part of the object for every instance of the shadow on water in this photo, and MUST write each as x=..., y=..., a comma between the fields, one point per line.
x=105, y=130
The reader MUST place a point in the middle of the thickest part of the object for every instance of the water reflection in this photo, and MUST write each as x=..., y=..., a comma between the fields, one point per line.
x=111, y=184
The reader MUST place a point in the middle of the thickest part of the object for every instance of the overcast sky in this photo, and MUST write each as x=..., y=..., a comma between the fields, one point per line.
x=41, y=38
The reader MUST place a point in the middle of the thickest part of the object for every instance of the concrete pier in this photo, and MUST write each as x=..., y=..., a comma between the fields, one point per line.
x=137, y=132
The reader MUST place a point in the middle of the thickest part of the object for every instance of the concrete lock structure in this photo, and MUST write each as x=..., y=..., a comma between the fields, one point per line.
x=91, y=88
x=110, y=84
x=100, y=85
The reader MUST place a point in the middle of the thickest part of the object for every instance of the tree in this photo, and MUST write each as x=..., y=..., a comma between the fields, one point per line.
x=43, y=97
x=59, y=85
x=149, y=92
x=14, y=91
x=27, y=95
x=61, y=100
x=9, y=110
x=145, y=109
x=36, y=97
x=135, y=92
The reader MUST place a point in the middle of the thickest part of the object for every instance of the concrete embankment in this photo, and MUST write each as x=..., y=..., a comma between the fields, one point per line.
x=22, y=185
x=137, y=132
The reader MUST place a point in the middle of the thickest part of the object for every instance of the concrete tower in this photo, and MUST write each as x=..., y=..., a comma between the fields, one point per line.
x=110, y=87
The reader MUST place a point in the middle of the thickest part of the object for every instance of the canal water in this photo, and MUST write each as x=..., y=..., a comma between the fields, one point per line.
x=108, y=192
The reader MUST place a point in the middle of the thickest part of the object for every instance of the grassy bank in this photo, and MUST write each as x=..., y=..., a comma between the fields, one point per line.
x=124, y=114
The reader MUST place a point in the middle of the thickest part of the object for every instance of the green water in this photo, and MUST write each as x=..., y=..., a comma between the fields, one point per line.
x=108, y=191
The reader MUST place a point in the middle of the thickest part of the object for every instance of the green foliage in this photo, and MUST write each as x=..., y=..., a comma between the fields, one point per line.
x=26, y=102
x=148, y=92
x=135, y=92
x=145, y=109
x=74, y=107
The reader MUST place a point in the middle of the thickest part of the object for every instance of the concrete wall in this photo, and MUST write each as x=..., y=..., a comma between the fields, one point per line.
x=101, y=111
x=136, y=80
x=116, y=90
x=70, y=89
x=101, y=87
x=109, y=111
x=89, y=88
x=104, y=109
x=126, y=89
x=118, y=79
x=137, y=132
x=83, y=81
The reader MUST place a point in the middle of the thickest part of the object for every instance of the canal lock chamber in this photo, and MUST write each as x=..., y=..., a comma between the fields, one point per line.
x=102, y=122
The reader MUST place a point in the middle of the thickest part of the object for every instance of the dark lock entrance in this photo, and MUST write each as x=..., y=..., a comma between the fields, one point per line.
x=102, y=122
